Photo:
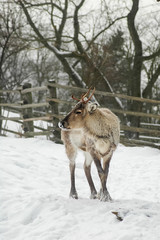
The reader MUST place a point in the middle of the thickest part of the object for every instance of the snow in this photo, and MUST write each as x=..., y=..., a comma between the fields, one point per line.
x=34, y=190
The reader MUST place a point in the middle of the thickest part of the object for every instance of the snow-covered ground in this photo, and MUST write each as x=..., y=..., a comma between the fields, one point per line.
x=34, y=189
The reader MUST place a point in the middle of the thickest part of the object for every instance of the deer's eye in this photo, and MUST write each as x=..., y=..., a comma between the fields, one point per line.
x=78, y=112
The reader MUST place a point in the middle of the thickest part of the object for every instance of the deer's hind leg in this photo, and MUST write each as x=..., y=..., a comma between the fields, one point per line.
x=104, y=194
x=87, y=170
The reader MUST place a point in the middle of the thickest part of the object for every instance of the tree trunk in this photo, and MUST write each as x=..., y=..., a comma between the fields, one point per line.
x=0, y=102
x=135, y=81
x=0, y=114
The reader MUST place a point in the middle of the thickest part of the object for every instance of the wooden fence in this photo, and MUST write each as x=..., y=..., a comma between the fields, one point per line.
x=53, y=108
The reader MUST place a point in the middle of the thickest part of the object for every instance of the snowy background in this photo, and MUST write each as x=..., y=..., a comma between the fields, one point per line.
x=35, y=203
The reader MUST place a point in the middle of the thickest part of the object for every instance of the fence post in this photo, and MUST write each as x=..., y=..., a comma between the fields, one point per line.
x=27, y=112
x=54, y=110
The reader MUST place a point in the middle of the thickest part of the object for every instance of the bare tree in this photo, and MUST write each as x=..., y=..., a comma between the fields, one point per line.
x=138, y=61
x=10, y=47
x=59, y=41
x=59, y=26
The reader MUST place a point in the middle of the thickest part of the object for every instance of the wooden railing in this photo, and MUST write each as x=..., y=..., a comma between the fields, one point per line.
x=51, y=113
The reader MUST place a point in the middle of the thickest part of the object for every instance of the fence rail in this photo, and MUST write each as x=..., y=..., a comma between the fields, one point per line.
x=25, y=107
x=108, y=94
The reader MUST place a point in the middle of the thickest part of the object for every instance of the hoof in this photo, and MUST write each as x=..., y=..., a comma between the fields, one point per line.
x=104, y=196
x=73, y=195
x=93, y=195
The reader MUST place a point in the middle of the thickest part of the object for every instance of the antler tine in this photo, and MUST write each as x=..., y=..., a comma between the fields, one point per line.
x=87, y=93
x=77, y=99
x=90, y=95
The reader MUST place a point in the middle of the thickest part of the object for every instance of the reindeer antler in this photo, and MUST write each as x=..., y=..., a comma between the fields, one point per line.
x=77, y=99
x=85, y=95
x=82, y=99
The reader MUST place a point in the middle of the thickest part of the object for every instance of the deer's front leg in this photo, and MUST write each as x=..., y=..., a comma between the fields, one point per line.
x=71, y=152
x=73, y=192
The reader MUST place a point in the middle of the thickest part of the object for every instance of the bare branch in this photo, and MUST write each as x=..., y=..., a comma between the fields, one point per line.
x=153, y=55
x=29, y=5
x=103, y=30
x=64, y=18
x=148, y=90
x=52, y=22
x=77, y=28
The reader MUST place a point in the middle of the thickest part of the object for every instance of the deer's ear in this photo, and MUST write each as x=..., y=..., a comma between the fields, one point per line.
x=92, y=107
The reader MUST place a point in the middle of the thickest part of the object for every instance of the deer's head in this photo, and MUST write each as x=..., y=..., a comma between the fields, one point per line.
x=75, y=119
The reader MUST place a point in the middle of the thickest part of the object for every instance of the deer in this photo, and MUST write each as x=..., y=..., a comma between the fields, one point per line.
x=95, y=131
